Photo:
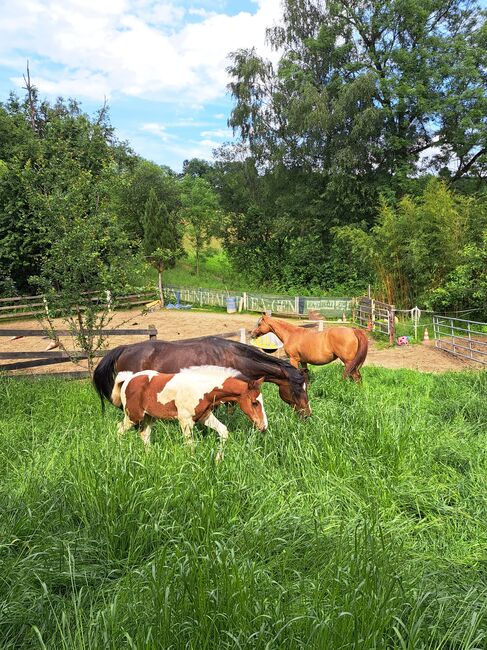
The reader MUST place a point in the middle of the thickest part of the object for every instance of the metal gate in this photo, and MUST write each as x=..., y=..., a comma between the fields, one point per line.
x=463, y=338
x=376, y=316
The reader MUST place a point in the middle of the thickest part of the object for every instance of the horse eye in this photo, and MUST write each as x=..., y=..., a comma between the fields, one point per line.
x=256, y=403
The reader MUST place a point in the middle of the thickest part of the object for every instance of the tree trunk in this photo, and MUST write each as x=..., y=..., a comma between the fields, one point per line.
x=159, y=277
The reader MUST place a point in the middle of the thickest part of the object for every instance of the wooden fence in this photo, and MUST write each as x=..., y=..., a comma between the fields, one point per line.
x=375, y=316
x=27, y=306
x=463, y=338
x=36, y=359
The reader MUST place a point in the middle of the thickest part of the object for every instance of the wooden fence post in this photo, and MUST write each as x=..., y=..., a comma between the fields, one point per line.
x=372, y=312
x=296, y=305
x=320, y=326
x=392, y=324
x=243, y=335
x=152, y=332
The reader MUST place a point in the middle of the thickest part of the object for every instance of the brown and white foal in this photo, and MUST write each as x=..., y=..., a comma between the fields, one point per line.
x=188, y=396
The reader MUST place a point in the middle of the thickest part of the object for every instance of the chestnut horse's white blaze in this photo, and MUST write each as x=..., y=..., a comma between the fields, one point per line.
x=261, y=400
x=188, y=396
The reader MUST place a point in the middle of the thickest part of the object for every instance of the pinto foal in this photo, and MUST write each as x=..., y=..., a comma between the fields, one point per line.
x=188, y=396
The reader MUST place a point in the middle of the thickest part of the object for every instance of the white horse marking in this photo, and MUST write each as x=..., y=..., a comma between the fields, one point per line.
x=189, y=385
x=261, y=400
x=213, y=423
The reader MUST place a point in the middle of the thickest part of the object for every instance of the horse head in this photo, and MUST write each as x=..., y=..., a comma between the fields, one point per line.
x=294, y=392
x=262, y=327
x=251, y=402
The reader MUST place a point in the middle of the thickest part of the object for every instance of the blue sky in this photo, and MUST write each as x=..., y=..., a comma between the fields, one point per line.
x=161, y=65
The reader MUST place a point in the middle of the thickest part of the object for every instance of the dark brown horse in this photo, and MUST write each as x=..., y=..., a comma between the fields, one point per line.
x=172, y=356
x=319, y=348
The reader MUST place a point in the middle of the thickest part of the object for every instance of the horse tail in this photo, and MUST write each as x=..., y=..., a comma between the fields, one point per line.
x=104, y=375
x=363, y=347
x=119, y=381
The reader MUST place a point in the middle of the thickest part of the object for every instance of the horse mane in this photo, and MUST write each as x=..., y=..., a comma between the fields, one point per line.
x=269, y=364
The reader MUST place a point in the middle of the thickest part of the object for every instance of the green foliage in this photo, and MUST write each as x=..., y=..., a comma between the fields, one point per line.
x=162, y=236
x=200, y=212
x=57, y=164
x=134, y=189
x=417, y=243
x=87, y=258
x=364, y=97
x=362, y=527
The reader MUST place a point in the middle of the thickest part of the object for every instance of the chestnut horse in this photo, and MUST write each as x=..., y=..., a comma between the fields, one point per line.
x=188, y=396
x=172, y=356
x=319, y=348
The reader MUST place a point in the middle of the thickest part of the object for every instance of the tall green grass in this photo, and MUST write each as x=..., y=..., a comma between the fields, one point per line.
x=363, y=527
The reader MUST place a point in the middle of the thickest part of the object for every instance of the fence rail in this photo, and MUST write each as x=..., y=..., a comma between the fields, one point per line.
x=37, y=358
x=44, y=358
x=463, y=338
x=251, y=301
x=25, y=306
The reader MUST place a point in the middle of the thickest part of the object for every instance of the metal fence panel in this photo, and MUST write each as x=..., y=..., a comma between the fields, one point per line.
x=461, y=337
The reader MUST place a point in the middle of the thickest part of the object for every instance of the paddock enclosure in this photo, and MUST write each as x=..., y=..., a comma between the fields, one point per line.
x=175, y=325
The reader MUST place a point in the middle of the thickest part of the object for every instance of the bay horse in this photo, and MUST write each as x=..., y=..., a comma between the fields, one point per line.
x=172, y=356
x=188, y=396
x=319, y=348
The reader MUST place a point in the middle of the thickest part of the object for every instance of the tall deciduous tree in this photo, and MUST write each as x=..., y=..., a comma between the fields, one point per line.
x=162, y=237
x=200, y=213
x=366, y=87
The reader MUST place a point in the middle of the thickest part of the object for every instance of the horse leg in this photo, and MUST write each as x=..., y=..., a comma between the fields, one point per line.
x=187, y=425
x=213, y=423
x=145, y=430
x=125, y=425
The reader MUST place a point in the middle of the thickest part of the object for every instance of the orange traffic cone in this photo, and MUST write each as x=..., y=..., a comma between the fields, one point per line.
x=426, y=336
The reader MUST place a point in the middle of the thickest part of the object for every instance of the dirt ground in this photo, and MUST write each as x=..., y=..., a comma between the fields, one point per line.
x=176, y=325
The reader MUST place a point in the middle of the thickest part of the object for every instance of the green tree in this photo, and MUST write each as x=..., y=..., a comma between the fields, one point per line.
x=58, y=163
x=162, y=237
x=133, y=190
x=365, y=96
x=200, y=213
x=366, y=87
x=80, y=277
x=417, y=243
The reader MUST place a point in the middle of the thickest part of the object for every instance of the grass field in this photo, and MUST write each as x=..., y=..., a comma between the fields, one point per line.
x=363, y=527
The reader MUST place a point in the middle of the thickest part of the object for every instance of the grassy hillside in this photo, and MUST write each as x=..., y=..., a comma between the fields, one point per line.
x=363, y=527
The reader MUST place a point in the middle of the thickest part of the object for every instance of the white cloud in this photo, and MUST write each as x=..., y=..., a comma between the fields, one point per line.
x=217, y=133
x=156, y=129
x=133, y=47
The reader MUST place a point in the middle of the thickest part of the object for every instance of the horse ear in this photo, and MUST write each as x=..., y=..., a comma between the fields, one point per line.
x=254, y=384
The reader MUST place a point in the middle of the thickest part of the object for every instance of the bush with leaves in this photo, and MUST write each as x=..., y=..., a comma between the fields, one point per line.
x=80, y=278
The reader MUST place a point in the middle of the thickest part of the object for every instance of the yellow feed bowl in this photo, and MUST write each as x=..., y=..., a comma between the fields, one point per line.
x=267, y=342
